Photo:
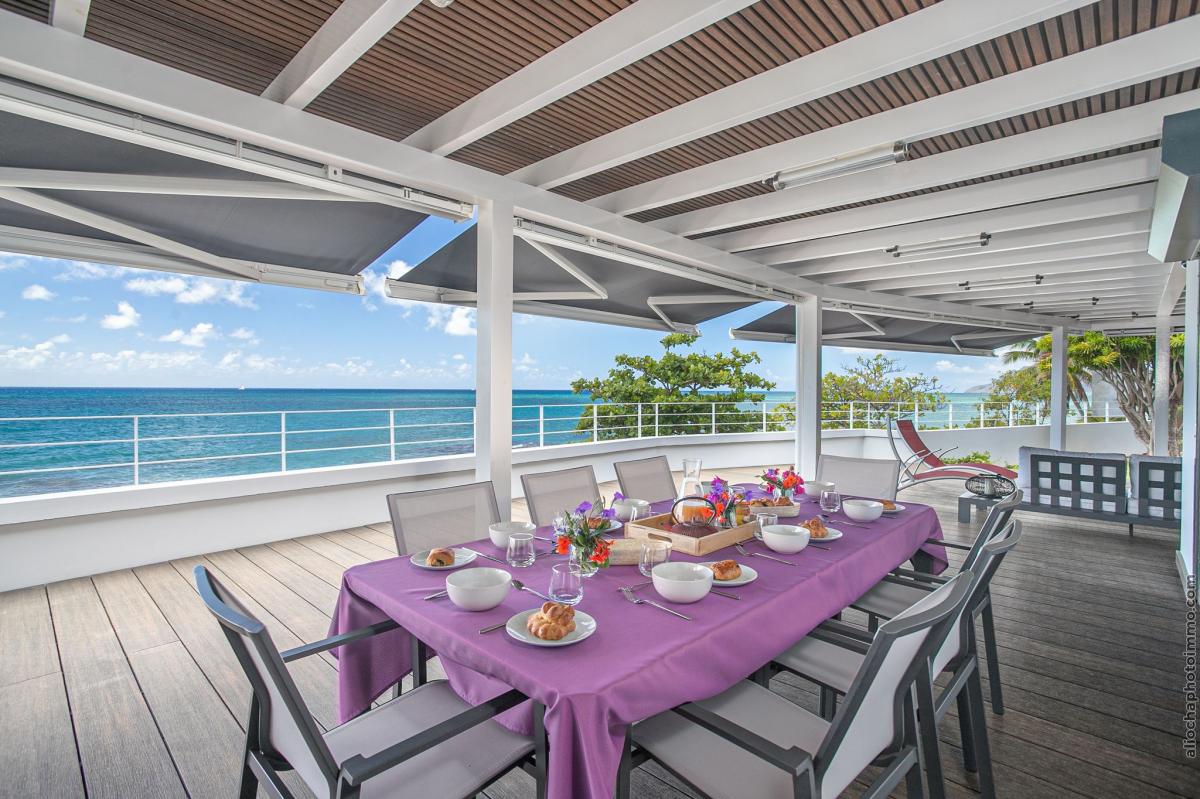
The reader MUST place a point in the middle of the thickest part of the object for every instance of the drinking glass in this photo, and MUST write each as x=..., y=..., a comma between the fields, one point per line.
x=653, y=553
x=520, y=550
x=566, y=583
x=831, y=500
x=764, y=520
x=560, y=522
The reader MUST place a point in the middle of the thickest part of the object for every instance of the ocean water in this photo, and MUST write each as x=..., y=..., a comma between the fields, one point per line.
x=194, y=433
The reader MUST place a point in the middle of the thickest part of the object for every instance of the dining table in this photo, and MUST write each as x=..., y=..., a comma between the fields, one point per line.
x=640, y=661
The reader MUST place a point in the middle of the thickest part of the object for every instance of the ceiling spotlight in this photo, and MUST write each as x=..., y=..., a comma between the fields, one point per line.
x=973, y=242
x=440, y=3
x=837, y=167
x=1002, y=282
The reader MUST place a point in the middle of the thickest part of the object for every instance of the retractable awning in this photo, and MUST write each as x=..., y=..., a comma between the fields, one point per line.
x=68, y=193
x=856, y=329
x=564, y=282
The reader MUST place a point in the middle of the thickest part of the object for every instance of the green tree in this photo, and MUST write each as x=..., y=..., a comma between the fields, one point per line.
x=876, y=385
x=1036, y=354
x=1124, y=362
x=1022, y=386
x=690, y=381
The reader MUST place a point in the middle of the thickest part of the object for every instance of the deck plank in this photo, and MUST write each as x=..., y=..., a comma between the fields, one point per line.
x=28, y=634
x=38, y=757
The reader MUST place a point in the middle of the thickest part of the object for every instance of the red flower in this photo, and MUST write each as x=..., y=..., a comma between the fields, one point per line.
x=563, y=545
x=600, y=552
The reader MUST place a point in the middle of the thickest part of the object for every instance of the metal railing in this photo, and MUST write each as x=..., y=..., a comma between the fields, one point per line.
x=62, y=453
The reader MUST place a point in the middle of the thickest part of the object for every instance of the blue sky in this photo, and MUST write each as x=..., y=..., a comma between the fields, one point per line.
x=66, y=323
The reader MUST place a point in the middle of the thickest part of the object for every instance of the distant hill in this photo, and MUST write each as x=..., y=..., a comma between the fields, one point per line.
x=980, y=389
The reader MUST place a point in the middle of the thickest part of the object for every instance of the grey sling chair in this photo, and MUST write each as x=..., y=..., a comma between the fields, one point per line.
x=439, y=517
x=750, y=742
x=426, y=743
x=548, y=494
x=646, y=478
x=902, y=587
x=833, y=653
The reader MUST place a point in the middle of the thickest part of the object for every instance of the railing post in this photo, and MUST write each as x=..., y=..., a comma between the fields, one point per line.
x=595, y=422
x=137, y=478
x=950, y=415
x=1012, y=422
x=916, y=415
x=639, y=419
x=283, y=441
x=656, y=420
x=713, y=411
x=541, y=425
x=764, y=415
x=851, y=414
x=1105, y=412
x=392, y=433
x=981, y=415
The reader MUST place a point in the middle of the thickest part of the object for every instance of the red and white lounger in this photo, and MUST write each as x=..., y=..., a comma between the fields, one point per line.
x=925, y=464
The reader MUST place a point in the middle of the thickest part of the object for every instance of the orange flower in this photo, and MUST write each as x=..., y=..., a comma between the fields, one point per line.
x=563, y=545
x=789, y=481
x=600, y=552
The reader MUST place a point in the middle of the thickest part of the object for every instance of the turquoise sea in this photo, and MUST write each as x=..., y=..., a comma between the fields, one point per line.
x=192, y=433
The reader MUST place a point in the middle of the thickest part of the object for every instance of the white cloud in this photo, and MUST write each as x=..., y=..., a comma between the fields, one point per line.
x=193, y=291
x=458, y=356
x=37, y=292
x=244, y=334
x=133, y=360
x=81, y=270
x=71, y=320
x=8, y=261
x=375, y=283
x=453, y=321
x=125, y=317
x=196, y=337
x=32, y=357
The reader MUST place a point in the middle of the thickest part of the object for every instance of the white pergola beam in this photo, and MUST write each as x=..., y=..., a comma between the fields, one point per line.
x=1062, y=211
x=70, y=15
x=1122, y=173
x=1058, y=389
x=843, y=268
x=1188, y=557
x=67, y=180
x=1099, y=284
x=45, y=57
x=627, y=36
x=808, y=386
x=1154, y=53
x=493, y=351
x=351, y=30
x=1120, y=128
x=913, y=39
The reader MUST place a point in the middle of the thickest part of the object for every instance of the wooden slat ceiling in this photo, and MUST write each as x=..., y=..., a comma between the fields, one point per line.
x=240, y=43
x=763, y=36
x=437, y=58
x=1042, y=118
x=34, y=9
x=1087, y=27
x=947, y=186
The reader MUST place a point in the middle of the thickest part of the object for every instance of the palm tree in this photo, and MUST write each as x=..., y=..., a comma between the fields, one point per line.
x=1038, y=353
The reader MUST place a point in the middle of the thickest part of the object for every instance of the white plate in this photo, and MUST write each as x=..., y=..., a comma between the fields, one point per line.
x=585, y=625
x=830, y=535
x=748, y=575
x=461, y=558
x=782, y=511
x=894, y=510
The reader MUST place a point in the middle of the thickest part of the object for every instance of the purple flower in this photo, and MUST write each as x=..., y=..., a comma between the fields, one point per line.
x=583, y=508
x=608, y=513
x=618, y=496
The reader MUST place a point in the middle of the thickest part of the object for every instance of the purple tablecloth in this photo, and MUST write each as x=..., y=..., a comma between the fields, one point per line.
x=639, y=662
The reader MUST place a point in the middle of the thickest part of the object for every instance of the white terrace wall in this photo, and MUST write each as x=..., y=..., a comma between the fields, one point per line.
x=1003, y=442
x=57, y=537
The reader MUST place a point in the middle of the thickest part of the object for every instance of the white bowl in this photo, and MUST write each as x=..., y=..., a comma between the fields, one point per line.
x=862, y=510
x=624, y=506
x=814, y=488
x=478, y=589
x=682, y=582
x=786, y=539
x=500, y=532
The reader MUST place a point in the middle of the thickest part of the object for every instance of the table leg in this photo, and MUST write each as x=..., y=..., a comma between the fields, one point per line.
x=540, y=750
x=419, y=655
x=626, y=768
x=922, y=561
x=964, y=510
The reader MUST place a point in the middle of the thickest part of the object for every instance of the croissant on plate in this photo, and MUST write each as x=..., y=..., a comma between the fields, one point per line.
x=725, y=570
x=552, y=622
x=440, y=557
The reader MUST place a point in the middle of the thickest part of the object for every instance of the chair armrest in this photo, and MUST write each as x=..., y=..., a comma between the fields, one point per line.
x=843, y=635
x=794, y=761
x=358, y=769
x=335, y=641
x=951, y=544
x=919, y=576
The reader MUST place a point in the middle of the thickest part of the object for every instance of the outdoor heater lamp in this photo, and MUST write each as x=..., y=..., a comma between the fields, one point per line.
x=972, y=242
x=837, y=167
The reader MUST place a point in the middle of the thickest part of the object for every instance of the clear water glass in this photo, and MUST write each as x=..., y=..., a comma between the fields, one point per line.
x=653, y=553
x=560, y=522
x=566, y=583
x=764, y=520
x=520, y=550
x=831, y=500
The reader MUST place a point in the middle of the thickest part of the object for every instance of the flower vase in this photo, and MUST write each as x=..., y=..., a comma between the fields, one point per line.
x=583, y=557
x=788, y=493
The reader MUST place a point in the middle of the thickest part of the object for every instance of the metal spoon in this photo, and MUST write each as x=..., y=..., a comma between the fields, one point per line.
x=520, y=586
x=493, y=627
x=748, y=553
x=637, y=600
x=829, y=519
x=482, y=555
x=437, y=595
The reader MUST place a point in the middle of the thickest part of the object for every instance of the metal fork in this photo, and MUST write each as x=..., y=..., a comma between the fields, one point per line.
x=748, y=553
x=829, y=519
x=483, y=555
x=637, y=600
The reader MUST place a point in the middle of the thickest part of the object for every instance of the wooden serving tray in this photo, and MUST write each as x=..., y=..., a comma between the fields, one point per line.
x=689, y=540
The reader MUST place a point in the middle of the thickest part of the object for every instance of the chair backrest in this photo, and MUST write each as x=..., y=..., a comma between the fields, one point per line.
x=646, y=478
x=860, y=477
x=908, y=432
x=1156, y=486
x=991, y=554
x=282, y=726
x=997, y=517
x=1078, y=480
x=872, y=719
x=549, y=493
x=438, y=517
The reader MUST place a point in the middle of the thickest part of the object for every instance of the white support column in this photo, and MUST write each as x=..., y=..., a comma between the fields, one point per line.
x=493, y=351
x=1161, y=415
x=1189, y=540
x=1058, y=389
x=808, y=386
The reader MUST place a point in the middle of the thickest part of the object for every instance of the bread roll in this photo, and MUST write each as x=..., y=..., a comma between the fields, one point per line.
x=440, y=557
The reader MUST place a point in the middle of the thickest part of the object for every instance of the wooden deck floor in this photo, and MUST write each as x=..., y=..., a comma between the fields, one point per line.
x=120, y=685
